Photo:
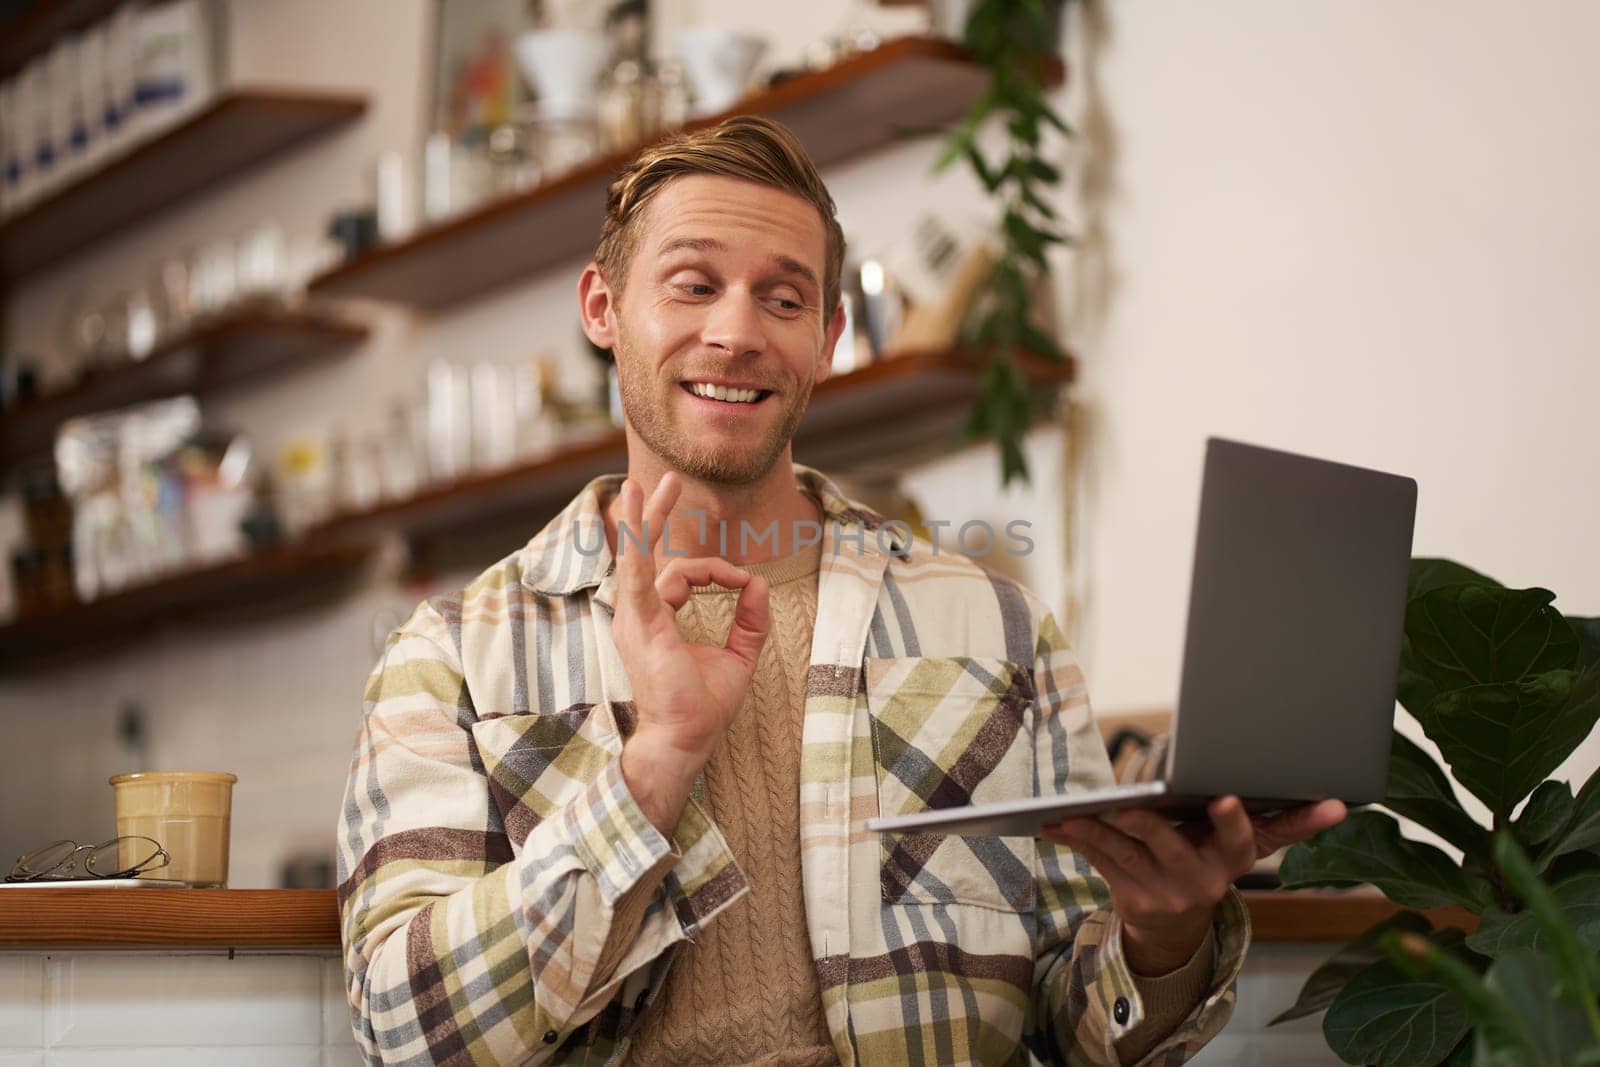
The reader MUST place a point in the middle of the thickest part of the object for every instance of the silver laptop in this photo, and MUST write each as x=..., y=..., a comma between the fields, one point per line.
x=1296, y=609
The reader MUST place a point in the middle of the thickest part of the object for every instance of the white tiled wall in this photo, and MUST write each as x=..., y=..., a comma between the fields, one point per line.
x=112, y=1009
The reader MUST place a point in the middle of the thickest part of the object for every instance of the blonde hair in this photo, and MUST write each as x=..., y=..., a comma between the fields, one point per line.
x=751, y=147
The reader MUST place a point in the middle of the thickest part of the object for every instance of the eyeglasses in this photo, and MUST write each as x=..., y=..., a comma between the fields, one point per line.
x=69, y=860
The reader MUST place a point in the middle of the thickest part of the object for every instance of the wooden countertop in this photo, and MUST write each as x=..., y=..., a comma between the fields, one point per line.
x=107, y=918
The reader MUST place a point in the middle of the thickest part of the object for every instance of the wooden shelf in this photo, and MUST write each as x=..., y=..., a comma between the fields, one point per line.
x=239, y=347
x=272, y=580
x=114, y=918
x=241, y=128
x=862, y=103
x=884, y=412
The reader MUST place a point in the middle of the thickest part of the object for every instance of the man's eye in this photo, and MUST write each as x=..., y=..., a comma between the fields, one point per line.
x=698, y=289
x=789, y=305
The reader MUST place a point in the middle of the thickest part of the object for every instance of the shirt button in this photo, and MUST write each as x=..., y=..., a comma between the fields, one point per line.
x=1119, y=1010
x=550, y=1037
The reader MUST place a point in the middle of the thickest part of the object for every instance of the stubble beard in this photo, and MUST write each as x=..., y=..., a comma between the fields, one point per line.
x=650, y=408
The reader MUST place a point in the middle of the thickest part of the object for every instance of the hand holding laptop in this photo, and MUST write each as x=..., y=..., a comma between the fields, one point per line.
x=1166, y=886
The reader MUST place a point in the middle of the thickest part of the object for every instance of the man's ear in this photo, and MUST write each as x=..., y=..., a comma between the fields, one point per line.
x=596, y=307
x=829, y=340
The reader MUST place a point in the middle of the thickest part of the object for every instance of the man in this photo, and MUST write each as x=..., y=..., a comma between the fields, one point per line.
x=608, y=800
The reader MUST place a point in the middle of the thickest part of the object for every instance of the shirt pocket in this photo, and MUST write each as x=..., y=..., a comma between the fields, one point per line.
x=537, y=762
x=948, y=731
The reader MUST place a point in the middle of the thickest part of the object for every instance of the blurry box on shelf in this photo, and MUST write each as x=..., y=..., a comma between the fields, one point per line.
x=152, y=493
x=941, y=269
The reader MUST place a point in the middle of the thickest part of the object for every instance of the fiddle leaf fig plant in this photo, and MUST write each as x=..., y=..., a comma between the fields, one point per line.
x=1506, y=686
x=1015, y=41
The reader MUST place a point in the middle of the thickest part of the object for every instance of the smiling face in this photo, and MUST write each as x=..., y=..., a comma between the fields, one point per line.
x=719, y=331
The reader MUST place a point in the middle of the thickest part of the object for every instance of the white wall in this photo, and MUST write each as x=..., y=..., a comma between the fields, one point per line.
x=1361, y=237
x=1362, y=231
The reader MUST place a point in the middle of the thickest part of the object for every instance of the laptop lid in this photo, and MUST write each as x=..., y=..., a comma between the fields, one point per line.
x=1296, y=612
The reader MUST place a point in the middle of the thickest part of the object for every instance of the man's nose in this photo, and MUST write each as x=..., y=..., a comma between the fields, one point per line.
x=733, y=323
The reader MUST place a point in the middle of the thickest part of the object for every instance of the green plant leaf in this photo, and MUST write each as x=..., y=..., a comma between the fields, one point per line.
x=1582, y=828
x=1502, y=739
x=1546, y=812
x=1463, y=635
x=1419, y=790
x=1428, y=573
x=1387, y=1017
x=1368, y=847
x=1578, y=899
x=1577, y=962
x=1551, y=1031
x=1451, y=639
x=1588, y=631
x=1324, y=984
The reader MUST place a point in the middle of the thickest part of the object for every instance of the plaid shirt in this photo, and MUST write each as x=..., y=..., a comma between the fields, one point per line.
x=487, y=835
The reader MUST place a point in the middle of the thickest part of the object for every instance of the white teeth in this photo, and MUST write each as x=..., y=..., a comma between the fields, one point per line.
x=718, y=392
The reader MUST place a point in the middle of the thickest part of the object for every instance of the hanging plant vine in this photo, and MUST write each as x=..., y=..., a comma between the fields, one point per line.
x=1014, y=40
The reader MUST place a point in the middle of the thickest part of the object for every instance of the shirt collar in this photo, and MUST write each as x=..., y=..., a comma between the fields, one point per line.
x=571, y=554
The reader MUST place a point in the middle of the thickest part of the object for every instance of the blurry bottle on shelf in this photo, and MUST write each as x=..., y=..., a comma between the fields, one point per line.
x=494, y=416
x=538, y=420
x=391, y=196
x=212, y=281
x=629, y=104
x=455, y=175
x=512, y=163
x=851, y=351
x=399, y=471
x=672, y=96
x=68, y=133
x=31, y=107
x=174, y=62
x=449, y=400
x=93, y=96
x=177, y=310
x=141, y=323
x=304, y=483
x=356, y=472
x=118, y=126
x=261, y=269
x=880, y=302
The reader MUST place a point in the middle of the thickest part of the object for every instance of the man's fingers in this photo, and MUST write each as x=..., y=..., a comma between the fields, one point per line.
x=1174, y=855
x=635, y=567
x=1298, y=824
x=1067, y=833
x=680, y=572
x=1235, y=838
x=751, y=621
x=1123, y=851
x=660, y=506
